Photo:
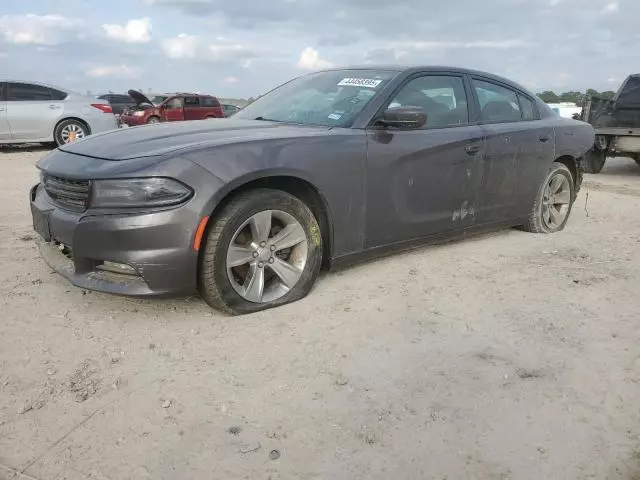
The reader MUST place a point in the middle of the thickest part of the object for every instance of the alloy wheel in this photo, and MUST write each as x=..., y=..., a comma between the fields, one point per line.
x=556, y=201
x=267, y=256
x=72, y=132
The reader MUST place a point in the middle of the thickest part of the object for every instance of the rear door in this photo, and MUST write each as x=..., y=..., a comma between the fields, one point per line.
x=5, y=131
x=33, y=111
x=519, y=147
x=192, y=108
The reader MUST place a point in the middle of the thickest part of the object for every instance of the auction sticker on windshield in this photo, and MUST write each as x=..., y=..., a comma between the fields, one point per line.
x=359, y=82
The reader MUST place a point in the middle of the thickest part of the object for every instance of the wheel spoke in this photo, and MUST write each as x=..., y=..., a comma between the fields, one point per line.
x=287, y=273
x=556, y=183
x=290, y=236
x=238, y=255
x=562, y=198
x=254, y=284
x=546, y=216
x=261, y=226
x=554, y=215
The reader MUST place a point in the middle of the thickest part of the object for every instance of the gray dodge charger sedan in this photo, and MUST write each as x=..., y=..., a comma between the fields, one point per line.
x=329, y=168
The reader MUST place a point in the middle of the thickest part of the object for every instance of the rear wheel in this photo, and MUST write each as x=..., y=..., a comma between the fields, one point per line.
x=264, y=249
x=68, y=131
x=637, y=158
x=594, y=161
x=553, y=203
x=153, y=120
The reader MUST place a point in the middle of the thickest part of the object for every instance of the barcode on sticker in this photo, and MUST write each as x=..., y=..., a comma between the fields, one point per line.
x=359, y=82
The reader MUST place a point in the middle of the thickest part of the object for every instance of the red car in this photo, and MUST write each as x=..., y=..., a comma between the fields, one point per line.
x=170, y=108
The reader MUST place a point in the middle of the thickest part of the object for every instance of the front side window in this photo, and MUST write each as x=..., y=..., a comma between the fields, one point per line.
x=333, y=98
x=175, y=103
x=26, y=92
x=442, y=97
x=528, y=108
x=497, y=104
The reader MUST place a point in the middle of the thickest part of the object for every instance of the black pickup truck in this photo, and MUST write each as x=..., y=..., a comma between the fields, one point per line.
x=617, y=124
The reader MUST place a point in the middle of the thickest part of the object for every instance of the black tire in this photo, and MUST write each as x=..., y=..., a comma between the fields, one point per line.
x=637, y=159
x=214, y=284
x=153, y=119
x=60, y=128
x=536, y=222
x=594, y=161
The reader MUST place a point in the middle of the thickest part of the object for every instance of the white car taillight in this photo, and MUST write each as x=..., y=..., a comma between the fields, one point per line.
x=103, y=107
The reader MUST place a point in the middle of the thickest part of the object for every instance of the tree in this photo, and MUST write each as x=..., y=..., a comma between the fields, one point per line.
x=549, y=97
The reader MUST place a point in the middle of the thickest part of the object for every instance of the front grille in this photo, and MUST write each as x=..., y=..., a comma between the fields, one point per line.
x=71, y=194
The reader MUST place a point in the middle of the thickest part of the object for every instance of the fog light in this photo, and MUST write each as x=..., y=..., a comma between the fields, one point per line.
x=114, y=267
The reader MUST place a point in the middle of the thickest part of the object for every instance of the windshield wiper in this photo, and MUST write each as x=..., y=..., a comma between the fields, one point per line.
x=267, y=119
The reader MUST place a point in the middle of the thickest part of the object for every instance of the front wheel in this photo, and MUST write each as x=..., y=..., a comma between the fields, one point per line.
x=553, y=203
x=153, y=120
x=264, y=249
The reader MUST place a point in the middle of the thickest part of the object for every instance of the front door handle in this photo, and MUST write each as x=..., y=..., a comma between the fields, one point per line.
x=472, y=149
x=544, y=139
x=54, y=107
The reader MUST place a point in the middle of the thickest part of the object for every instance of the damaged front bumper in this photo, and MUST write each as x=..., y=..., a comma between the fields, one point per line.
x=138, y=254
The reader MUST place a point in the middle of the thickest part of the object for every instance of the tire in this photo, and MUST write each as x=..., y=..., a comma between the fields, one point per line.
x=594, y=161
x=637, y=159
x=153, y=120
x=224, y=289
x=538, y=221
x=68, y=131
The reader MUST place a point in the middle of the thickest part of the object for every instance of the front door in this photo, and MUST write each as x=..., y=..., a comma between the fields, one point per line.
x=31, y=111
x=423, y=182
x=173, y=110
x=516, y=155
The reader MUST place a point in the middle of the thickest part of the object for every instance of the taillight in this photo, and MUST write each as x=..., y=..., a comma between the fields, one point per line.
x=103, y=107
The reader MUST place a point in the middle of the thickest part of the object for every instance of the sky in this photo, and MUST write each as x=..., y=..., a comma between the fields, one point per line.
x=242, y=48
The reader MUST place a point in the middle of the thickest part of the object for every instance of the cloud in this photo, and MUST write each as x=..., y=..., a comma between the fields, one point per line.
x=231, y=80
x=182, y=46
x=33, y=29
x=227, y=51
x=134, y=31
x=310, y=60
x=612, y=7
x=114, y=71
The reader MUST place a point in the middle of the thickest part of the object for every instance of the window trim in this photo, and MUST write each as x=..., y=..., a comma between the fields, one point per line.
x=7, y=89
x=471, y=108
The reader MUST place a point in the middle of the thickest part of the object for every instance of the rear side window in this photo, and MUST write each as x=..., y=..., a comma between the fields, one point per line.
x=57, y=94
x=191, y=102
x=209, y=102
x=26, y=92
x=528, y=108
x=497, y=103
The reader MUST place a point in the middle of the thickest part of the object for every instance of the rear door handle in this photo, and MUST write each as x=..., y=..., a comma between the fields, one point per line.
x=472, y=149
x=54, y=107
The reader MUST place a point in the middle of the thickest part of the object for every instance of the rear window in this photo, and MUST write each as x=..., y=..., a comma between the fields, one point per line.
x=528, y=108
x=209, y=102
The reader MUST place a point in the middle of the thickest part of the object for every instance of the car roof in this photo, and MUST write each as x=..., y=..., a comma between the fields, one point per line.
x=409, y=69
x=35, y=82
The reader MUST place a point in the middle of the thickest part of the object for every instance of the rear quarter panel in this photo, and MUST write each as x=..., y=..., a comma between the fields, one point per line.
x=573, y=138
x=334, y=162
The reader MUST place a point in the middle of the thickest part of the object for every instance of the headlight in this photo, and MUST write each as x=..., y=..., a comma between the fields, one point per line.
x=138, y=113
x=138, y=192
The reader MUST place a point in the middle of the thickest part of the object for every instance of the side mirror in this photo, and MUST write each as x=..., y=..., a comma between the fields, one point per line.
x=406, y=117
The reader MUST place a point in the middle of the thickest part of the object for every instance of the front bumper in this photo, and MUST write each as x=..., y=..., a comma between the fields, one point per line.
x=132, y=120
x=158, y=246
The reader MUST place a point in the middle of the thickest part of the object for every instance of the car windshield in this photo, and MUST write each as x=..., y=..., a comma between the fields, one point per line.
x=332, y=98
x=158, y=99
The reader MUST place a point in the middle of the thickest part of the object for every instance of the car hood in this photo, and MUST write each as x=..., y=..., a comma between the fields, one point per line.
x=139, y=97
x=172, y=137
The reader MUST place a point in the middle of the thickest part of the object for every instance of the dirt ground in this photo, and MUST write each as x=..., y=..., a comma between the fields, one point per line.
x=505, y=356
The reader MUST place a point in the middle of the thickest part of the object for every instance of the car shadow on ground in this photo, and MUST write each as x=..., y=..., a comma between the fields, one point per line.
x=29, y=147
x=621, y=166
